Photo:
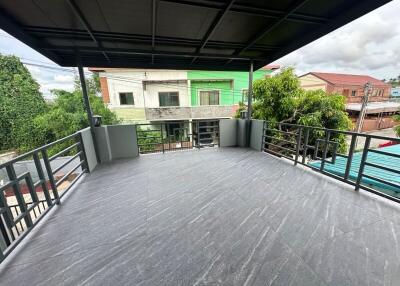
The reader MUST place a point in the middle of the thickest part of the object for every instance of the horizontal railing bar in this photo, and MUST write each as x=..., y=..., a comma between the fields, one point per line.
x=382, y=167
x=279, y=139
x=342, y=132
x=277, y=154
x=23, y=156
x=382, y=194
x=384, y=153
x=145, y=131
x=73, y=182
x=151, y=143
x=150, y=137
x=341, y=155
x=7, y=185
x=14, y=244
x=38, y=183
x=69, y=173
x=67, y=162
x=208, y=126
x=281, y=131
x=145, y=124
x=39, y=201
x=207, y=133
x=381, y=181
x=64, y=151
x=23, y=176
x=281, y=147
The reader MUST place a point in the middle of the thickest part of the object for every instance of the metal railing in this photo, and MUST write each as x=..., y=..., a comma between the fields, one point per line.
x=173, y=136
x=346, y=156
x=23, y=201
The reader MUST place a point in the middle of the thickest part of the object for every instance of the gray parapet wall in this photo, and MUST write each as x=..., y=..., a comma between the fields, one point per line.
x=116, y=142
x=228, y=132
x=256, y=135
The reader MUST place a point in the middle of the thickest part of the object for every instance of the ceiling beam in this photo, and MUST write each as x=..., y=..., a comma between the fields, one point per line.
x=8, y=25
x=153, y=26
x=254, y=11
x=85, y=24
x=297, y=5
x=85, y=49
x=56, y=33
x=214, y=25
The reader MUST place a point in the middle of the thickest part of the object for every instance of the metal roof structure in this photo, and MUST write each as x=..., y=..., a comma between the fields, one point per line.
x=174, y=34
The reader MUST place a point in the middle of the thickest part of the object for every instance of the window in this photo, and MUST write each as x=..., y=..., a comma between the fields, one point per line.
x=353, y=92
x=346, y=92
x=169, y=98
x=126, y=98
x=245, y=93
x=209, y=97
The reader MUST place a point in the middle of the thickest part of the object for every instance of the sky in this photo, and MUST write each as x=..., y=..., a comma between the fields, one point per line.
x=369, y=45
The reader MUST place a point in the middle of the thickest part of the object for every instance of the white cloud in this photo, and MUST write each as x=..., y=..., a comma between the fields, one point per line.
x=369, y=45
x=60, y=78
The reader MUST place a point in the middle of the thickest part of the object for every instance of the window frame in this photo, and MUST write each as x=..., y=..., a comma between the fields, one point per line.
x=245, y=96
x=168, y=92
x=125, y=104
x=208, y=90
x=353, y=92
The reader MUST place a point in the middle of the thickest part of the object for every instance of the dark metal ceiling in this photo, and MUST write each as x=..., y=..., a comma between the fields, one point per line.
x=174, y=34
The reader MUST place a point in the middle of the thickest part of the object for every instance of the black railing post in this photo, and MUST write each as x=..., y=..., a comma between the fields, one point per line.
x=162, y=138
x=18, y=195
x=362, y=163
x=42, y=178
x=51, y=177
x=350, y=156
x=298, y=143
x=82, y=156
x=324, y=153
x=305, y=146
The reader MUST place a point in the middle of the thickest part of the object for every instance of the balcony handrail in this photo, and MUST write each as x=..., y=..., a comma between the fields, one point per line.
x=325, y=153
x=340, y=131
x=30, y=153
x=17, y=220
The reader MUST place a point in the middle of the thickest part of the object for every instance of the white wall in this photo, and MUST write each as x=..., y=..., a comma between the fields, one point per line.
x=311, y=82
x=152, y=90
x=120, y=80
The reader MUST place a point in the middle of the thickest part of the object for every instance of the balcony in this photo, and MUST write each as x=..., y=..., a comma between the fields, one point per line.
x=210, y=216
x=185, y=113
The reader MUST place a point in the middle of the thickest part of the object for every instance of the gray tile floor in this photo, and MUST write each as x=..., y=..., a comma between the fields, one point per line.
x=225, y=216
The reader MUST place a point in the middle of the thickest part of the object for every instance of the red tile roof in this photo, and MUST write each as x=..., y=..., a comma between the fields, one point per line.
x=271, y=67
x=348, y=79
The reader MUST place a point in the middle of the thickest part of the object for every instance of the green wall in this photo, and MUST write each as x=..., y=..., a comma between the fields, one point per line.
x=230, y=84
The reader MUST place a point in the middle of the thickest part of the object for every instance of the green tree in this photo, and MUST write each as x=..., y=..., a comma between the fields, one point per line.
x=397, y=128
x=20, y=102
x=281, y=99
x=67, y=114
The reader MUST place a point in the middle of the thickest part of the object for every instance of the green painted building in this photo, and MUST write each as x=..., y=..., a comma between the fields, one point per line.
x=221, y=87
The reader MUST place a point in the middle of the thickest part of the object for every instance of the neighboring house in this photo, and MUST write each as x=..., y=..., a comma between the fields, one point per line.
x=140, y=95
x=379, y=110
x=396, y=92
x=349, y=85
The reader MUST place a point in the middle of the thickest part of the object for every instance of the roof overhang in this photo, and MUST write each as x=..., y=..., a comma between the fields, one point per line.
x=375, y=107
x=174, y=34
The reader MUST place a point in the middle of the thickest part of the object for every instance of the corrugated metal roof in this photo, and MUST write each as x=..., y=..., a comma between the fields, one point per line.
x=174, y=34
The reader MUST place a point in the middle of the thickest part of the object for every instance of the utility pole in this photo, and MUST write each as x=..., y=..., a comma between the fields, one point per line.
x=363, y=110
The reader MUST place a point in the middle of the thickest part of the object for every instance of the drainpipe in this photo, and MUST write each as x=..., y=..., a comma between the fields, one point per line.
x=88, y=109
x=249, y=103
